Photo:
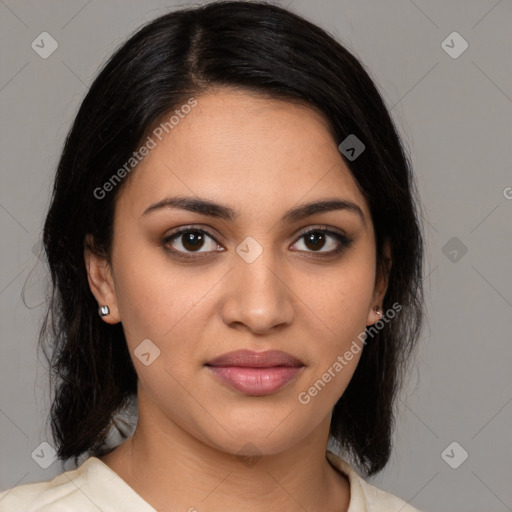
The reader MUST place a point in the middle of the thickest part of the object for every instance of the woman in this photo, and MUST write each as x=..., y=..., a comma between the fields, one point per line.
x=233, y=241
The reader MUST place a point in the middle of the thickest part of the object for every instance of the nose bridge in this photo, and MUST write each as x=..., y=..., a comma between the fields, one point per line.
x=258, y=295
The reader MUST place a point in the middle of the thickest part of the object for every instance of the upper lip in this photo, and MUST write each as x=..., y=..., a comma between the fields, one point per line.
x=250, y=359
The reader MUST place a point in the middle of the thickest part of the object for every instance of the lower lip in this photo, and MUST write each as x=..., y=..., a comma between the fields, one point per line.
x=255, y=381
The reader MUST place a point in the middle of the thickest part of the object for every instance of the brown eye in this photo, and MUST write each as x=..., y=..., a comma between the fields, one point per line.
x=315, y=240
x=192, y=241
x=189, y=241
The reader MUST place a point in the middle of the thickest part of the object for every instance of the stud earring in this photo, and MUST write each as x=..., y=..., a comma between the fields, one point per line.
x=377, y=310
x=103, y=311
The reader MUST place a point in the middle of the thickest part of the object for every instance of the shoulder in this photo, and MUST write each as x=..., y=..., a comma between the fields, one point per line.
x=41, y=496
x=381, y=501
x=91, y=487
x=365, y=497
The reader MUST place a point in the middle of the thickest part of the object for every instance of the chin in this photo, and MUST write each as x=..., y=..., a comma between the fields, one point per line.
x=254, y=440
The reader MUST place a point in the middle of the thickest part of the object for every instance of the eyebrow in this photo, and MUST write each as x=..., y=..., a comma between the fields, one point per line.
x=212, y=209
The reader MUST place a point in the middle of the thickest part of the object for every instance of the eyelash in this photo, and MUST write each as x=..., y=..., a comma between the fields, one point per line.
x=344, y=242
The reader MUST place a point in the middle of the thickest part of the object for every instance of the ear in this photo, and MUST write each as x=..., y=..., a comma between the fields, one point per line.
x=381, y=284
x=101, y=282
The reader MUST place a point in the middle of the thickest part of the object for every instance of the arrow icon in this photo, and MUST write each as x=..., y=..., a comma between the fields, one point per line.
x=351, y=147
x=44, y=45
x=44, y=455
x=249, y=249
x=454, y=455
x=454, y=45
x=147, y=352
x=454, y=249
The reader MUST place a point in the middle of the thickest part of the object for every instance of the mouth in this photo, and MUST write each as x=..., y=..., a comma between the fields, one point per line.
x=255, y=373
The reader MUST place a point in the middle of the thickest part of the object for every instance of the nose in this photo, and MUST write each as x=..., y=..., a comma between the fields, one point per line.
x=258, y=296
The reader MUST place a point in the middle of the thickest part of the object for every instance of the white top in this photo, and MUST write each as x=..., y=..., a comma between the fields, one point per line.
x=94, y=487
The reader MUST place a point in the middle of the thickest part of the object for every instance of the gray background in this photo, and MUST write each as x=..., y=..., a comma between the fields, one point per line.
x=455, y=117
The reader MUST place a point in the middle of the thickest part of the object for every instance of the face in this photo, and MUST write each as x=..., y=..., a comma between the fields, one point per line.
x=255, y=272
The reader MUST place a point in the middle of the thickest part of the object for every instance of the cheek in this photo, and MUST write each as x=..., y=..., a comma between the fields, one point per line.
x=335, y=356
x=159, y=301
x=343, y=297
x=341, y=306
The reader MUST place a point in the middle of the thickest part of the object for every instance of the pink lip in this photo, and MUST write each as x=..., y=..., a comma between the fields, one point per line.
x=256, y=373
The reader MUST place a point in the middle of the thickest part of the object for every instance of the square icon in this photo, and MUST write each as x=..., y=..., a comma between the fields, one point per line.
x=454, y=455
x=44, y=455
x=36, y=248
x=454, y=249
x=146, y=352
x=351, y=147
x=44, y=45
x=251, y=454
x=454, y=45
x=249, y=249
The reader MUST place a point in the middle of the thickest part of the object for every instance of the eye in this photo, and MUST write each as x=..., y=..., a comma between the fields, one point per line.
x=188, y=241
x=314, y=240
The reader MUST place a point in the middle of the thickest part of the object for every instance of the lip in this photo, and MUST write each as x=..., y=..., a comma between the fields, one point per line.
x=255, y=373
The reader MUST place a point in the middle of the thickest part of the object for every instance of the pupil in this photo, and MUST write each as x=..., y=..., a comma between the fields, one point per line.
x=190, y=244
x=314, y=239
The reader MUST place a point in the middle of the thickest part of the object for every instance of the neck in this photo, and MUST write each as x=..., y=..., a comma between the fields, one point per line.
x=161, y=460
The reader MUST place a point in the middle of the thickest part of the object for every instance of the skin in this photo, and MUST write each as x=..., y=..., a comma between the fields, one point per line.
x=260, y=157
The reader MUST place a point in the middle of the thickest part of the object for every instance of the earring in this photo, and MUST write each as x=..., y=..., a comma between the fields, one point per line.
x=104, y=311
x=377, y=310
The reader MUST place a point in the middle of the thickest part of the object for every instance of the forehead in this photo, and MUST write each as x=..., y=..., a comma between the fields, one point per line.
x=241, y=149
